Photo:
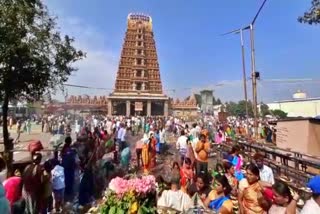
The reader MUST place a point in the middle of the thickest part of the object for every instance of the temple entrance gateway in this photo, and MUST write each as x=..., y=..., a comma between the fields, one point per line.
x=118, y=108
x=138, y=86
x=138, y=83
x=138, y=108
x=157, y=108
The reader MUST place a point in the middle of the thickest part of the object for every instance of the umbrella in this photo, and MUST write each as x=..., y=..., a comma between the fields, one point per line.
x=57, y=140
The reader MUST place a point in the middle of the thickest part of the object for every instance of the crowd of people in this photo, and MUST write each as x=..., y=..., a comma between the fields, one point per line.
x=234, y=186
x=73, y=179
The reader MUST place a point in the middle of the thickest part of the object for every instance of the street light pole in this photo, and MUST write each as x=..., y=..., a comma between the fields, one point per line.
x=244, y=74
x=254, y=81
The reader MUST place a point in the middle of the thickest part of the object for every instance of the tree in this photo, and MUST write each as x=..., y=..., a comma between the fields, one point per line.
x=231, y=108
x=312, y=16
x=218, y=102
x=34, y=57
x=264, y=109
x=239, y=109
x=279, y=113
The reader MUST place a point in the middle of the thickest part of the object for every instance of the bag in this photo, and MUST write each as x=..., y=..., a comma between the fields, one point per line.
x=35, y=146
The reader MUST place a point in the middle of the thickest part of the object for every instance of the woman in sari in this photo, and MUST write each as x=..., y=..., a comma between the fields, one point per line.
x=230, y=175
x=200, y=187
x=251, y=199
x=33, y=185
x=152, y=150
x=186, y=174
x=145, y=154
x=218, y=199
x=190, y=153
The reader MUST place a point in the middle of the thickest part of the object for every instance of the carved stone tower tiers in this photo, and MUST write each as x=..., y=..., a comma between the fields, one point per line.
x=138, y=79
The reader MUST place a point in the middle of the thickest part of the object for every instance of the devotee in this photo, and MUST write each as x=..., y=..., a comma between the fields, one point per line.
x=186, y=174
x=68, y=156
x=46, y=203
x=13, y=187
x=193, y=132
x=312, y=206
x=219, y=198
x=33, y=185
x=58, y=184
x=175, y=170
x=233, y=182
x=175, y=198
x=251, y=193
x=191, y=154
x=125, y=158
x=145, y=154
x=202, y=151
x=152, y=149
x=182, y=145
x=139, y=146
x=201, y=186
x=162, y=139
x=266, y=173
x=4, y=203
x=121, y=137
x=284, y=201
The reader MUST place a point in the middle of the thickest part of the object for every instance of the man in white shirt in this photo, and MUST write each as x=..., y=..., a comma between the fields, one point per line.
x=121, y=137
x=182, y=145
x=193, y=131
x=266, y=173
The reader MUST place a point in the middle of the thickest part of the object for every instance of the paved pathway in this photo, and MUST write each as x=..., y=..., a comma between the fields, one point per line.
x=22, y=147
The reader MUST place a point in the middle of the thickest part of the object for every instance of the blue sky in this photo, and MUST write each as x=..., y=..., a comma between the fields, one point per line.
x=191, y=52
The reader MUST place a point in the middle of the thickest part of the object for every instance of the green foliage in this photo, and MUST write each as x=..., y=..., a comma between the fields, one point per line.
x=312, y=16
x=264, y=109
x=34, y=57
x=128, y=204
x=218, y=102
x=239, y=109
x=279, y=113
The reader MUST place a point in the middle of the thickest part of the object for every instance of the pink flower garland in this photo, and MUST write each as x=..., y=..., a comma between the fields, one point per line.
x=142, y=185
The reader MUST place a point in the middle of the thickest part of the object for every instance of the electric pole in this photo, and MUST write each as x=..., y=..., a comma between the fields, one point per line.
x=244, y=74
x=254, y=82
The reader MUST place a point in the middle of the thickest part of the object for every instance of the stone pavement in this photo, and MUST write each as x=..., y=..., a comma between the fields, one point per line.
x=21, y=147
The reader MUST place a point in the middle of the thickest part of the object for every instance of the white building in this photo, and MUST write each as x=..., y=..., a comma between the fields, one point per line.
x=299, y=106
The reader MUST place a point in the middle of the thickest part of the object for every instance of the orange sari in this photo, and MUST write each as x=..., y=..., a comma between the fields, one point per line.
x=145, y=157
x=250, y=199
x=152, y=152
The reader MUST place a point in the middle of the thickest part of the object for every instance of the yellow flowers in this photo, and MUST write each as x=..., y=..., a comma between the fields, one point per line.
x=134, y=208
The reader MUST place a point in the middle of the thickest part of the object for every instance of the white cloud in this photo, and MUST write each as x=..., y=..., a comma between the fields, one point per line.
x=99, y=68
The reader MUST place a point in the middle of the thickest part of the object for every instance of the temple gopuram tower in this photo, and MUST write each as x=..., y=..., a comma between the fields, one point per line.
x=138, y=87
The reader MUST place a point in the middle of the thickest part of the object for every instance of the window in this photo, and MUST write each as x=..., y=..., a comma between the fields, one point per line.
x=139, y=52
x=139, y=61
x=139, y=73
x=139, y=86
x=139, y=44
